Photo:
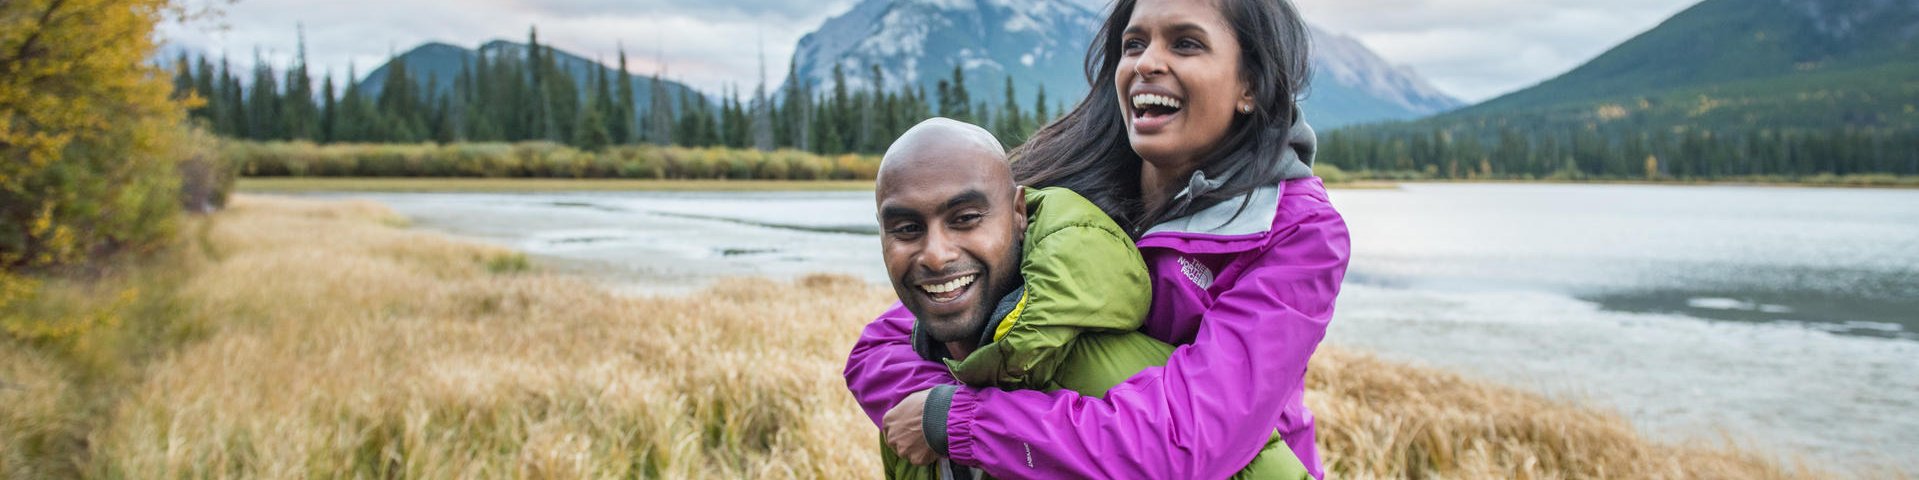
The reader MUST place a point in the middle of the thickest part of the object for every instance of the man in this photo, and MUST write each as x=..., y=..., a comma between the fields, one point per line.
x=1011, y=289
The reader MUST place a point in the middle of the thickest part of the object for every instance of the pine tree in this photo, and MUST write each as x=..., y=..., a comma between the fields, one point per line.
x=299, y=115
x=690, y=133
x=762, y=111
x=358, y=116
x=591, y=134
x=621, y=124
x=792, y=128
x=738, y=133
x=882, y=115
x=539, y=118
x=262, y=103
x=329, y=112
x=183, y=82
x=659, y=115
x=446, y=129
x=962, y=102
x=562, y=97
x=592, y=131
x=840, y=120
x=232, y=120
x=1011, y=127
x=203, y=84
x=1040, y=116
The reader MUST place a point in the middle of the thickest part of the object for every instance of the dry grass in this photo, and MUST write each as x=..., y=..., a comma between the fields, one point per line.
x=1379, y=419
x=336, y=345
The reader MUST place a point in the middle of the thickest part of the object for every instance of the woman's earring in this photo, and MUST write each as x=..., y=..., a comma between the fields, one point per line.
x=1244, y=108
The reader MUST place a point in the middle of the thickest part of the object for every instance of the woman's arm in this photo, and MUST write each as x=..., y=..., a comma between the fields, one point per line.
x=883, y=368
x=1208, y=411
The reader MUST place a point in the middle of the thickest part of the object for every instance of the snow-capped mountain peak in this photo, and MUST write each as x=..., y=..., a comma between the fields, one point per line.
x=1043, y=42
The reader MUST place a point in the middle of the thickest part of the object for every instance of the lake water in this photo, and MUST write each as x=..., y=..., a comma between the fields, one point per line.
x=1784, y=318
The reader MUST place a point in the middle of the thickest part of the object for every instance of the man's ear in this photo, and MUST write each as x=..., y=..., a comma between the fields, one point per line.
x=1019, y=198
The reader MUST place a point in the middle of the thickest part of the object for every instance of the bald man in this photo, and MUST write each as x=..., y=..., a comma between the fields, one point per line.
x=1012, y=289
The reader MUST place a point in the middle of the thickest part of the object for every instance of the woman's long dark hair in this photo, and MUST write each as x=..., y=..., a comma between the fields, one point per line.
x=1087, y=151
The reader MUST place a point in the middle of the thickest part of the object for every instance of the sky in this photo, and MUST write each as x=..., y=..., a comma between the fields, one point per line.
x=1472, y=49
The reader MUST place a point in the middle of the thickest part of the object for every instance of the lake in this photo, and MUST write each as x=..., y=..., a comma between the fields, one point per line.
x=1784, y=318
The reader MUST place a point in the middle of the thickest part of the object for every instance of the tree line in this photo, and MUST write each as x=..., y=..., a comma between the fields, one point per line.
x=1597, y=152
x=528, y=95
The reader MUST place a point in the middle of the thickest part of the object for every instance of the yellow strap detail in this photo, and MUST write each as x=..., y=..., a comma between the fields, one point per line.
x=1013, y=316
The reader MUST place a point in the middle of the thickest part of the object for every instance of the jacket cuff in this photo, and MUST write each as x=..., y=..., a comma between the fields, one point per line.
x=933, y=417
x=962, y=407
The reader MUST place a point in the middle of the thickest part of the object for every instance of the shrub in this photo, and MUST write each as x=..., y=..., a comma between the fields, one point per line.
x=538, y=160
x=87, y=132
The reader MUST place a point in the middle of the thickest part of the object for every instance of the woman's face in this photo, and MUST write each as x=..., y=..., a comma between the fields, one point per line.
x=1179, y=80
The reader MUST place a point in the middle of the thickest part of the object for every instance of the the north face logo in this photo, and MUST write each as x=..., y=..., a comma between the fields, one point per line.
x=1199, y=274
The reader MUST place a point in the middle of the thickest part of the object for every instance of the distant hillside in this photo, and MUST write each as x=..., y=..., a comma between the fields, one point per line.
x=1724, y=88
x=1782, y=64
x=1043, y=42
x=440, y=64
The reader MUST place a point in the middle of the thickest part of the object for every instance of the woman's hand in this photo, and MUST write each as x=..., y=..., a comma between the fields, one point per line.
x=904, y=431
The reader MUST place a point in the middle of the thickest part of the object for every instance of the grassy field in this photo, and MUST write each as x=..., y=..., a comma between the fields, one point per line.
x=294, y=339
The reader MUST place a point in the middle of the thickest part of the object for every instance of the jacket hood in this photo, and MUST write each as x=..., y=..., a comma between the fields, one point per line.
x=1252, y=212
x=1300, y=144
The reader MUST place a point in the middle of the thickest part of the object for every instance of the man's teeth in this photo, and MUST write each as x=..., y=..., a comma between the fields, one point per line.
x=1147, y=100
x=950, y=286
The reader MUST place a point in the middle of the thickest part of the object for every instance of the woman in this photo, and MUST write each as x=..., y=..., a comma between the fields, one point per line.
x=1190, y=139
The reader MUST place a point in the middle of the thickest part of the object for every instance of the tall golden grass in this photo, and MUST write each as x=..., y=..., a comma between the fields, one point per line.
x=337, y=344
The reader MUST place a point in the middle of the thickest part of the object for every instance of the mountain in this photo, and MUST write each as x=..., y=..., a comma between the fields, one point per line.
x=918, y=42
x=1043, y=42
x=1780, y=63
x=440, y=64
x=1353, y=85
x=1726, y=88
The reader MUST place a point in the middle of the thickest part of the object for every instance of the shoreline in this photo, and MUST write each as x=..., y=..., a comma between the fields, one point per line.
x=1914, y=185
x=548, y=185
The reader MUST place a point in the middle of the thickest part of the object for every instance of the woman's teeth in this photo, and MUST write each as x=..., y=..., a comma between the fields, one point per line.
x=1145, y=100
x=949, y=286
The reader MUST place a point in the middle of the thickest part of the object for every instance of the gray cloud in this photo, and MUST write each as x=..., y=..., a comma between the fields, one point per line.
x=1478, y=49
x=710, y=44
x=1474, y=49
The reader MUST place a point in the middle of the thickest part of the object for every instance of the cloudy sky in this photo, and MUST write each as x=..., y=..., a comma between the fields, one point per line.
x=1473, y=49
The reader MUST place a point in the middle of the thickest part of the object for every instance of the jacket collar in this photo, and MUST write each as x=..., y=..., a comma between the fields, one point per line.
x=928, y=349
x=1248, y=214
x=1240, y=223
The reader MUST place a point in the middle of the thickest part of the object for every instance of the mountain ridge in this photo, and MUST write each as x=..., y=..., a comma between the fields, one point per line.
x=1043, y=42
x=440, y=64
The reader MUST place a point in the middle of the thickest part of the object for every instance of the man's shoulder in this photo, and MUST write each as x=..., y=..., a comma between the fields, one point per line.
x=1057, y=211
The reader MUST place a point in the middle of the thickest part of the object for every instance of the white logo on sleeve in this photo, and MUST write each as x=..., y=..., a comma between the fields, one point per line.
x=1199, y=274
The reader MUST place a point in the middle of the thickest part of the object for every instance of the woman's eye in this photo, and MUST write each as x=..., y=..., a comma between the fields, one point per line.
x=1132, y=45
x=1188, y=44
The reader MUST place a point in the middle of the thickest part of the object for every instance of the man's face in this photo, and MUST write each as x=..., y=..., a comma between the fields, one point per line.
x=950, y=233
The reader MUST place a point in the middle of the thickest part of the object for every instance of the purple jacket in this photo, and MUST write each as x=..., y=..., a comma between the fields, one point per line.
x=1247, y=302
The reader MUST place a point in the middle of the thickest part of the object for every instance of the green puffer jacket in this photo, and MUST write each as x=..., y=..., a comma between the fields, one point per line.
x=1073, y=324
